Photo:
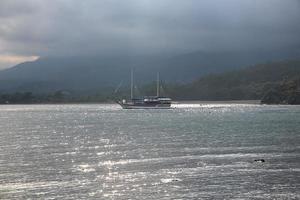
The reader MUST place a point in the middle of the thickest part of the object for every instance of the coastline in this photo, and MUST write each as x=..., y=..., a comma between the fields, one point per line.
x=219, y=102
x=255, y=102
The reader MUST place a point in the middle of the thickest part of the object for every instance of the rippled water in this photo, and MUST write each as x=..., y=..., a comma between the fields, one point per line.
x=190, y=152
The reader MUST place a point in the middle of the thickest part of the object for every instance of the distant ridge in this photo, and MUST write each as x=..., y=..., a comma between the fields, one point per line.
x=90, y=74
x=273, y=83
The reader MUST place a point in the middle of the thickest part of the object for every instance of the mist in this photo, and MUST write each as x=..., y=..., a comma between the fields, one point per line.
x=66, y=28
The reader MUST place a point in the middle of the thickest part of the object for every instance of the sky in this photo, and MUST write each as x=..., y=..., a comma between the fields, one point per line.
x=30, y=29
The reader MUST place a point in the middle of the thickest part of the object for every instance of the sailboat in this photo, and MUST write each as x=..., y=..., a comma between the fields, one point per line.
x=147, y=102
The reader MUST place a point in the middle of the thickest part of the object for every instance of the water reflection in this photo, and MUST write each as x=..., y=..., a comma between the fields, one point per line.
x=192, y=152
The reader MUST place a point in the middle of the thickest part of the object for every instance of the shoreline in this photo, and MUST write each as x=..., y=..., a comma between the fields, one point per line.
x=219, y=102
x=254, y=102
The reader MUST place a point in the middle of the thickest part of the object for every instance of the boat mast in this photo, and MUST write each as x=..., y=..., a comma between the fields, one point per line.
x=131, y=85
x=157, y=85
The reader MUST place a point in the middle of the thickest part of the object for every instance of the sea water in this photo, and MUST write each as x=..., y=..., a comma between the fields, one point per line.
x=99, y=151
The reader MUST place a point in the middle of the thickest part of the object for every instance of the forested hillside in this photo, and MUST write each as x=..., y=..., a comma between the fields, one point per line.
x=273, y=83
x=250, y=83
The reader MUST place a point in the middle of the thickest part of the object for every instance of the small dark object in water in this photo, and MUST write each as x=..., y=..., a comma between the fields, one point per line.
x=259, y=160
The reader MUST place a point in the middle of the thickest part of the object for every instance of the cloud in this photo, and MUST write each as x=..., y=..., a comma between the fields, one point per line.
x=67, y=27
x=11, y=60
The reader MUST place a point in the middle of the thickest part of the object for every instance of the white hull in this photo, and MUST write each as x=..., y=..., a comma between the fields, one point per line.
x=132, y=106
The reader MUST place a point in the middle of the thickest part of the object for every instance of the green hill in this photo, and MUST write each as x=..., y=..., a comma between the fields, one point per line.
x=273, y=83
x=287, y=92
x=253, y=82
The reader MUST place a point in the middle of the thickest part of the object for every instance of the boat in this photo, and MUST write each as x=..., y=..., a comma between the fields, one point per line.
x=147, y=102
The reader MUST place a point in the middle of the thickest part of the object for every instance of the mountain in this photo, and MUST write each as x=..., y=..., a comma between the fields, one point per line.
x=253, y=82
x=94, y=73
x=273, y=83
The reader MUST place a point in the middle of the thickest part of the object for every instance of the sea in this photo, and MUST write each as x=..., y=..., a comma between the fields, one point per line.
x=192, y=151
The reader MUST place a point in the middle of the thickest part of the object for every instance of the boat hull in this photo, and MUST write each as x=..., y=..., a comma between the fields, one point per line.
x=144, y=106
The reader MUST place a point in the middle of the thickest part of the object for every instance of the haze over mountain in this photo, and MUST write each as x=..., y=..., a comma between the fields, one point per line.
x=31, y=28
x=86, y=45
x=272, y=82
x=95, y=73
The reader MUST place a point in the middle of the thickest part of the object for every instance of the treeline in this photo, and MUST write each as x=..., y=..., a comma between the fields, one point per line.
x=56, y=97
